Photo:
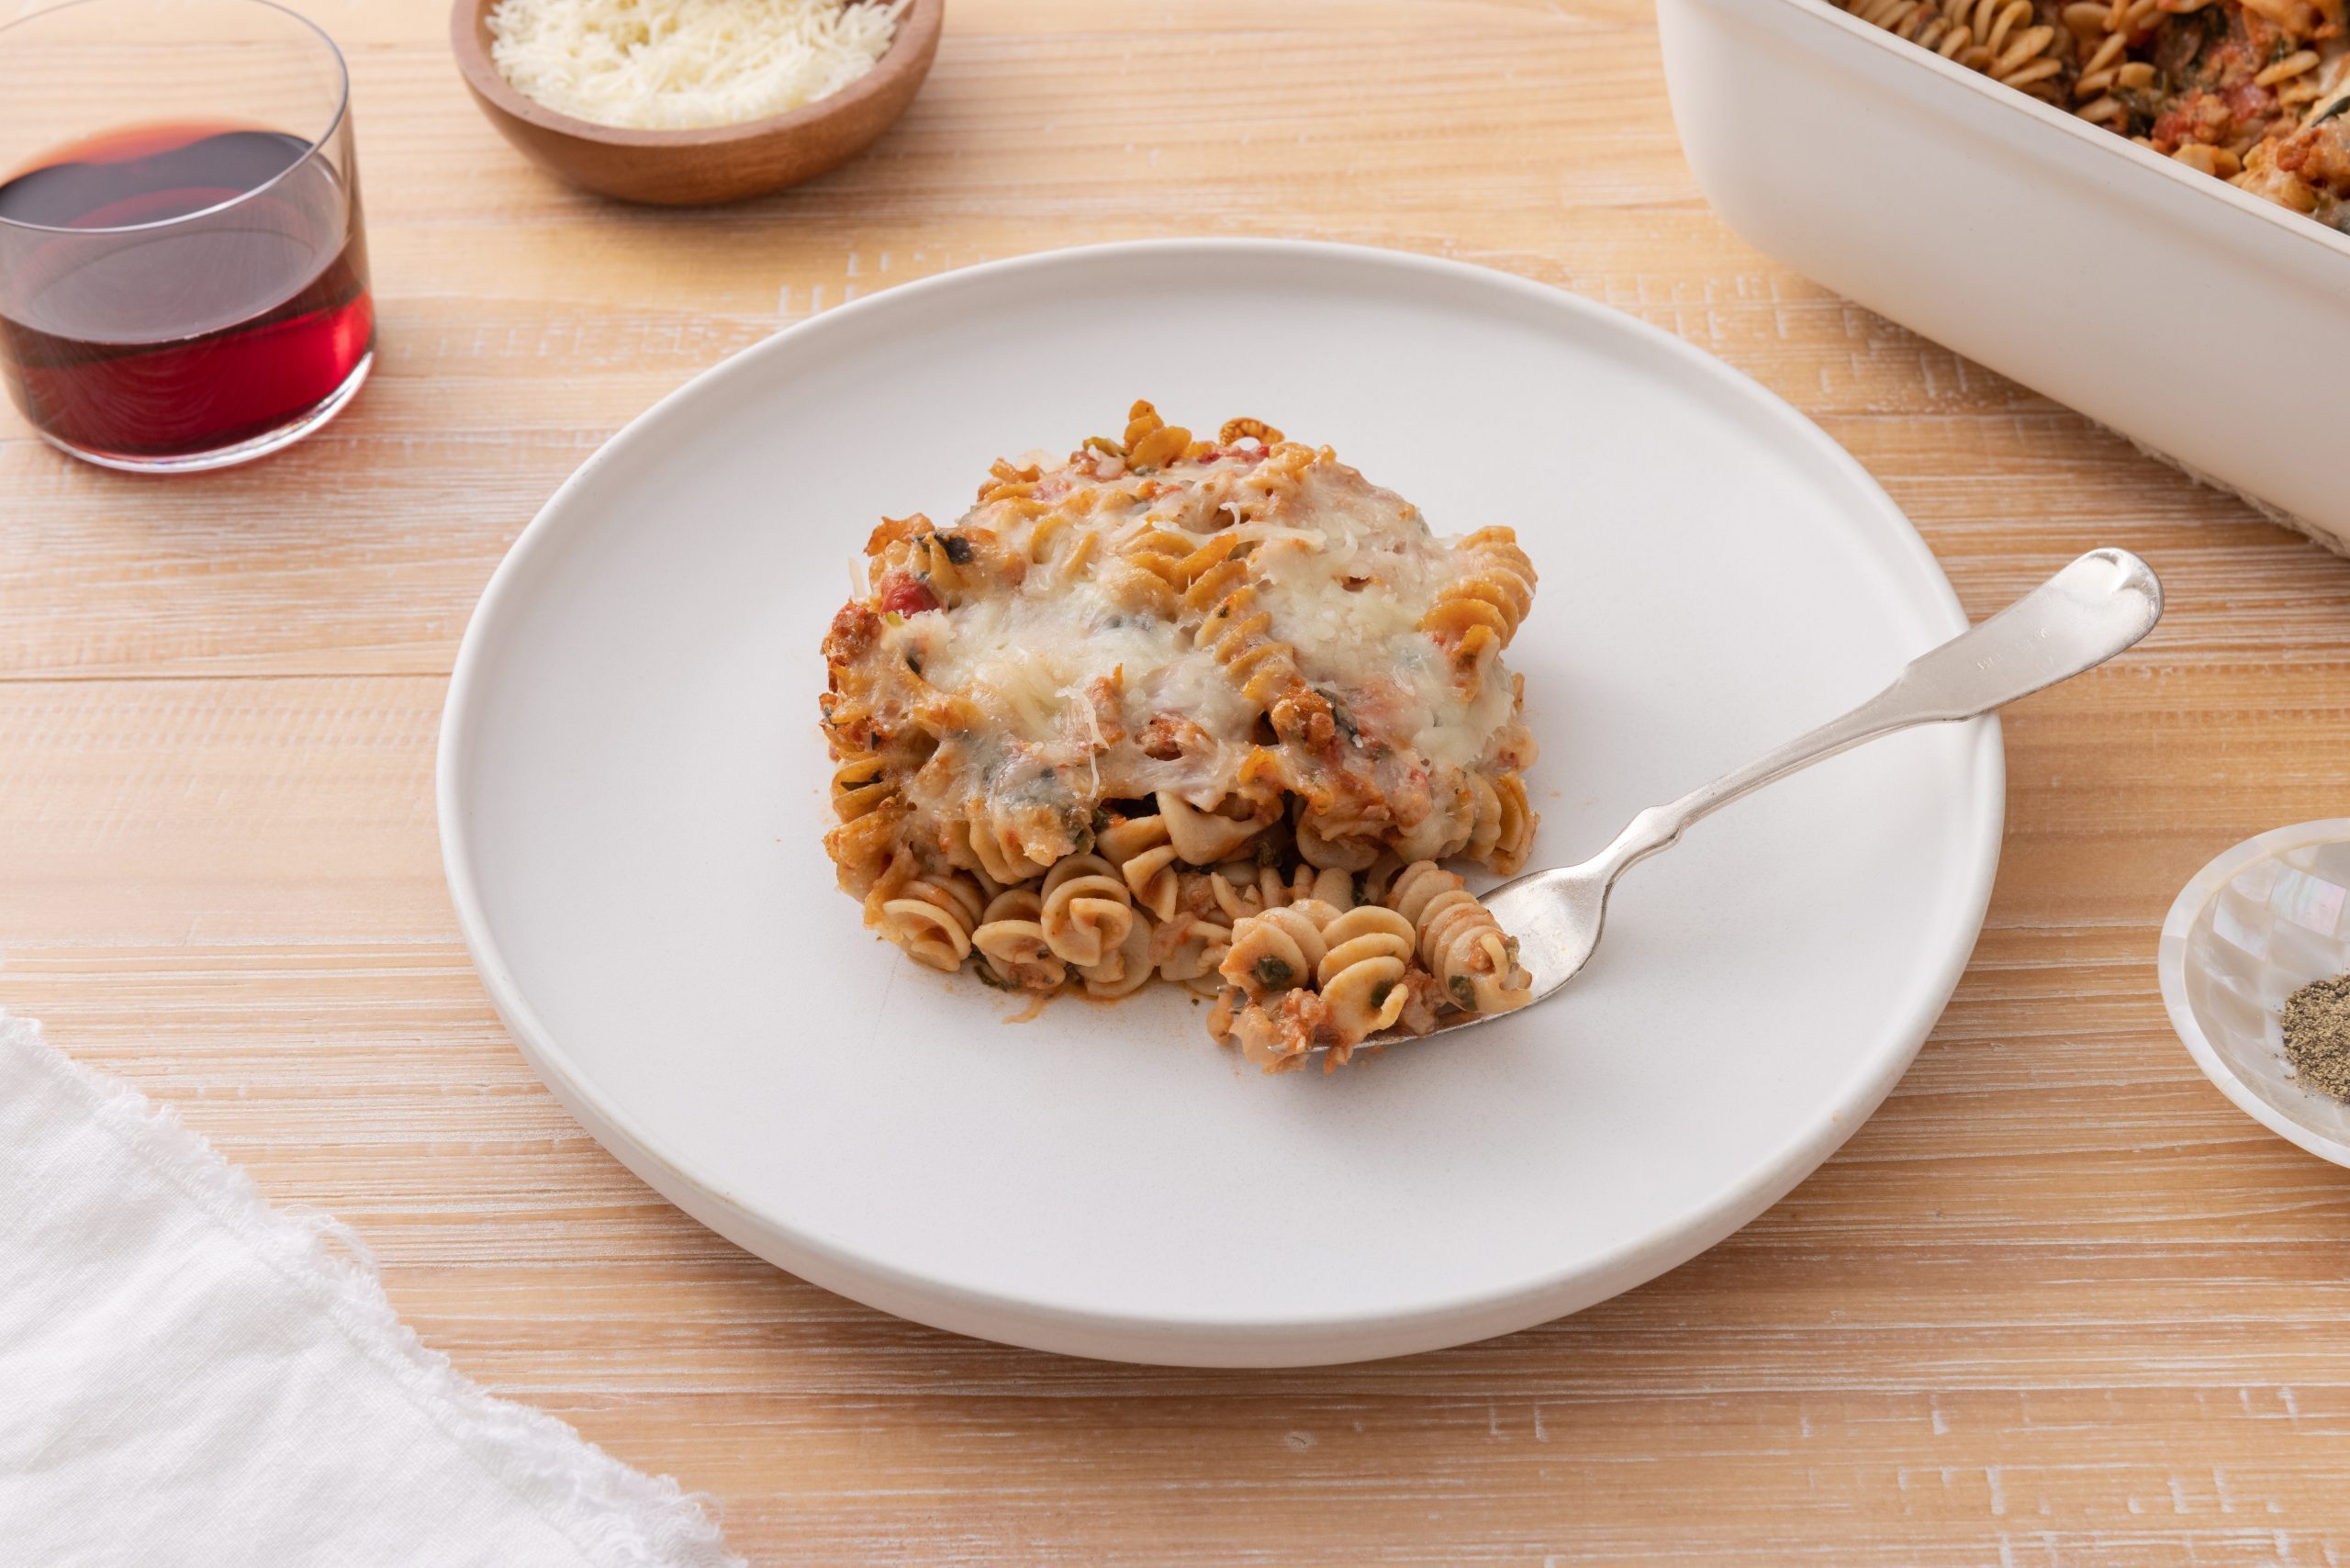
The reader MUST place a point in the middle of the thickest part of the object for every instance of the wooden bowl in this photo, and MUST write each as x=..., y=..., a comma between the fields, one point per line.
x=713, y=164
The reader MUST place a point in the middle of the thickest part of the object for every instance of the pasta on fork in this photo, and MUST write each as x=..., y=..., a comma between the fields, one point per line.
x=1189, y=710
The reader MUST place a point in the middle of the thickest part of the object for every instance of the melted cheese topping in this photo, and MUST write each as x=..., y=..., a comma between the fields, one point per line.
x=1034, y=653
x=1349, y=592
x=1347, y=571
x=1248, y=629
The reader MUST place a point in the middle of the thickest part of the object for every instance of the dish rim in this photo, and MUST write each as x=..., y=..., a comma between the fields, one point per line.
x=1206, y=1338
x=2278, y=218
x=2170, y=966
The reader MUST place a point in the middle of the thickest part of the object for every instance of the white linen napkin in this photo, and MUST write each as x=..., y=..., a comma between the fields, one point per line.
x=188, y=1376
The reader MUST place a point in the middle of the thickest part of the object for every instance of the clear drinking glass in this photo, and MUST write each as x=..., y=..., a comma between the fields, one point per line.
x=183, y=267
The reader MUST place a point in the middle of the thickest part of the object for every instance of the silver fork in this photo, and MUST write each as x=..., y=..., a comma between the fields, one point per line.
x=2094, y=609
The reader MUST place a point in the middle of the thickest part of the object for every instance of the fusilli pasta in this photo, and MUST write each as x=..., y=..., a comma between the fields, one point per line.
x=1180, y=708
x=2253, y=91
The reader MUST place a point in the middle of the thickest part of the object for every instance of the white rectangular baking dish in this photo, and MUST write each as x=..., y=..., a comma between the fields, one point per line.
x=2199, y=322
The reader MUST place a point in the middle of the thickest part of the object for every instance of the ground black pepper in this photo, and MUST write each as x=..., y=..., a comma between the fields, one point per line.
x=2317, y=1034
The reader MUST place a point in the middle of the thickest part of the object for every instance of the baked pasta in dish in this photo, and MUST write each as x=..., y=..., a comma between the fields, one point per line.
x=2252, y=91
x=1204, y=711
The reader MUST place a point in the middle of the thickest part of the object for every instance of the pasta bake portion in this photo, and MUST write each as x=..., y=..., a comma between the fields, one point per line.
x=1202, y=711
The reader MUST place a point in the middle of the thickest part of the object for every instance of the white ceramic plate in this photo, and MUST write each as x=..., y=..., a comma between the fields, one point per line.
x=631, y=788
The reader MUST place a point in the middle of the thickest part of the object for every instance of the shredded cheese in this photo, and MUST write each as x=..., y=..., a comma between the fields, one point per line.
x=679, y=64
x=1037, y=652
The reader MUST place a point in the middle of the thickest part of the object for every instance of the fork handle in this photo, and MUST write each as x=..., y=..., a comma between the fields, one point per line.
x=2094, y=609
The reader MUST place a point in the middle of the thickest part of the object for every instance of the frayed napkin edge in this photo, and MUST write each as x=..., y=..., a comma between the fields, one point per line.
x=616, y=1516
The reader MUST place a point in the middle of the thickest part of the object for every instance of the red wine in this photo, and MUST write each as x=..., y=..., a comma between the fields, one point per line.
x=144, y=320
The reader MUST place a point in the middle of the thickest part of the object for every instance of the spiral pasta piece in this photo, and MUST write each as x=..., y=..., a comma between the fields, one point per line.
x=863, y=847
x=859, y=784
x=932, y=917
x=1204, y=838
x=2005, y=39
x=1235, y=624
x=872, y=816
x=1361, y=972
x=1520, y=819
x=1333, y=851
x=1052, y=532
x=1460, y=941
x=1007, y=482
x=1321, y=888
x=1010, y=939
x=2106, y=71
x=1151, y=442
x=1001, y=850
x=1124, y=968
x=1086, y=911
x=1503, y=574
x=2007, y=43
x=1474, y=617
x=1144, y=852
x=1503, y=834
x=1920, y=21
x=1257, y=431
x=1273, y=952
x=1164, y=554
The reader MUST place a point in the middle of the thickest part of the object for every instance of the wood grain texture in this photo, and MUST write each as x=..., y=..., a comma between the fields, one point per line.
x=2057, y=1303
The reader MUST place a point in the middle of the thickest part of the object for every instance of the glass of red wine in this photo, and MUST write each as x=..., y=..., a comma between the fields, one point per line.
x=182, y=268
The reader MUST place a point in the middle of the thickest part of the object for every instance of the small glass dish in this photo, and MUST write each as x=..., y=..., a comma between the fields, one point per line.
x=2255, y=926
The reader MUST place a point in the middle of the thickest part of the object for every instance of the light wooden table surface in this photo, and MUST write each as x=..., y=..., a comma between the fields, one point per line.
x=2058, y=1303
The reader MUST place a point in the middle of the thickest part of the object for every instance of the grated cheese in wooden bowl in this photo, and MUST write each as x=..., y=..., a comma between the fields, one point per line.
x=685, y=64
